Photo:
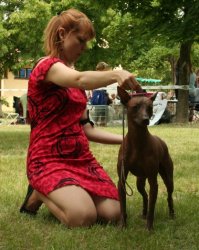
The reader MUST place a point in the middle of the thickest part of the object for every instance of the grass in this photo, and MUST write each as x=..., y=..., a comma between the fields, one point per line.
x=22, y=232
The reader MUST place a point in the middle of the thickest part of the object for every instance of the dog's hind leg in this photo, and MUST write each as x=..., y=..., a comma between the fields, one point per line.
x=167, y=176
x=153, y=192
x=140, y=182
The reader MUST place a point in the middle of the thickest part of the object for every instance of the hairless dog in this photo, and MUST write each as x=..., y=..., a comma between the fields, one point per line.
x=144, y=155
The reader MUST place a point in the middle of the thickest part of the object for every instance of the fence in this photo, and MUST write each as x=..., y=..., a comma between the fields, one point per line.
x=105, y=115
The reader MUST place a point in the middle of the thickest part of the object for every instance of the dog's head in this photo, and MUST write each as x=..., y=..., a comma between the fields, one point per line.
x=139, y=106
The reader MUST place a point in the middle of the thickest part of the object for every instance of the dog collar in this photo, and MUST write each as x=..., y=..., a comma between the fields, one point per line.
x=146, y=94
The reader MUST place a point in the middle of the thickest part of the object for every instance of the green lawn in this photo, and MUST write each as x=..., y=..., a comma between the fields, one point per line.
x=19, y=231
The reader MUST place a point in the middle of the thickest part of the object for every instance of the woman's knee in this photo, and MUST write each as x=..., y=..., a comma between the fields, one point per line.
x=73, y=206
x=73, y=216
x=82, y=216
x=112, y=214
x=109, y=210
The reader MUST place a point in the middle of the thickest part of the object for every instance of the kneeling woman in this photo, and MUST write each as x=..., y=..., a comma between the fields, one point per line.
x=62, y=172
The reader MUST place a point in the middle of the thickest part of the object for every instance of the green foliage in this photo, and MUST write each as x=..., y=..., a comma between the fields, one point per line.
x=156, y=63
x=175, y=20
x=33, y=18
x=167, y=22
x=23, y=23
x=139, y=35
x=171, y=24
x=8, y=54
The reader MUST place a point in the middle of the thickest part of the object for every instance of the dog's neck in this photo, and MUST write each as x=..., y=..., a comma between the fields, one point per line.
x=137, y=134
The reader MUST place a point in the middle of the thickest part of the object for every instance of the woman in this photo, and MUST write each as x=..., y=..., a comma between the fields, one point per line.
x=62, y=172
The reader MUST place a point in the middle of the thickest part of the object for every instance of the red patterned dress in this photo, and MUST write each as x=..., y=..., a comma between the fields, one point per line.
x=58, y=153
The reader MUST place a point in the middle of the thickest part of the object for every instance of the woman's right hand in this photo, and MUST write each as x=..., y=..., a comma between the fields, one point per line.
x=127, y=80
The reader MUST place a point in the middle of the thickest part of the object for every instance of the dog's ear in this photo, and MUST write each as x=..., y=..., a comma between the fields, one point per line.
x=124, y=96
x=153, y=96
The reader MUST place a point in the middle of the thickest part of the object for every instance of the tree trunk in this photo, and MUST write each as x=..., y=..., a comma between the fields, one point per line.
x=172, y=62
x=182, y=78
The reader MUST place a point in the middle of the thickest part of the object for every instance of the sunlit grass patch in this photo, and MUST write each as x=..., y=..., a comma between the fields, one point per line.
x=18, y=231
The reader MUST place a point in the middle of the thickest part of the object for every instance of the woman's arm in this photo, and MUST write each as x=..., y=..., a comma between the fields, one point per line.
x=97, y=135
x=100, y=136
x=64, y=76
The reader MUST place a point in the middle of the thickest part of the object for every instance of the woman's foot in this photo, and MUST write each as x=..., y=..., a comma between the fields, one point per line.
x=31, y=203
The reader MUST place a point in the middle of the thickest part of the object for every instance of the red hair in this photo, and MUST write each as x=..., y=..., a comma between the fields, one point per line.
x=71, y=20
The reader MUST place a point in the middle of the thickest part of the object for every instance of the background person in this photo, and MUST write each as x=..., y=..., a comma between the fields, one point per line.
x=23, y=100
x=100, y=113
x=193, y=91
x=62, y=172
x=102, y=66
x=197, y=78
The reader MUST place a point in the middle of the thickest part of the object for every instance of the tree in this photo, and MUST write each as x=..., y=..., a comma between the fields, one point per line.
x=7, y=51
x=25, y=21
x=175, y=23
x=141, y=35
x=26, y=25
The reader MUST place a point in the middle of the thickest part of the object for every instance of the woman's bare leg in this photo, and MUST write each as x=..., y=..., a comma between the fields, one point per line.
x=107, y=209
x=71, y=205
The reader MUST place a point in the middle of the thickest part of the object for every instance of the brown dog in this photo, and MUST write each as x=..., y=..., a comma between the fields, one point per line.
x=144, y=155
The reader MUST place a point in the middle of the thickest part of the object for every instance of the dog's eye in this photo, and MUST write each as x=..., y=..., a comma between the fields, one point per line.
x=135, y=108
x=150, y=108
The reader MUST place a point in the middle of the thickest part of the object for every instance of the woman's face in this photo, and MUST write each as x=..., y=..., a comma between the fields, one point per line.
x=74, y=45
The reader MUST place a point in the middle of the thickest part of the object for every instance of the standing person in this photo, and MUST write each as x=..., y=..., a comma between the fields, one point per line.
x=197, y=78
x=23, y=100
x=100, y=99
x=113, y=98
x=102, y=66
x=193, y=91
x=62, y=172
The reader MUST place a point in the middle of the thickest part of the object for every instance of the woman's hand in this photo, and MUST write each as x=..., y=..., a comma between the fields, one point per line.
x=127, y=81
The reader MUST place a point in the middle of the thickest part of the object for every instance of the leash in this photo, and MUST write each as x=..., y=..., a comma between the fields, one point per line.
x=122, y=175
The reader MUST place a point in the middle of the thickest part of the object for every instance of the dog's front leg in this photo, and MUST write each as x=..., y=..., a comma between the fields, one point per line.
x=122, y=197
x=140, y=182
x=152, y=200
x=122, y=170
